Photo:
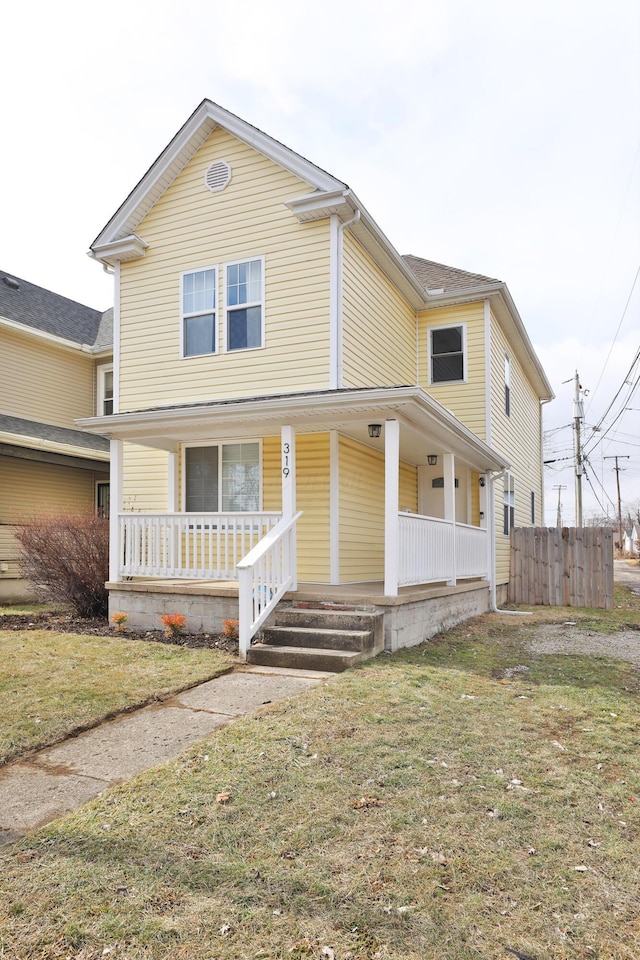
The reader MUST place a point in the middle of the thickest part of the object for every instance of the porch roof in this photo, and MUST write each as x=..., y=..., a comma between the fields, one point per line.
x=425, y=425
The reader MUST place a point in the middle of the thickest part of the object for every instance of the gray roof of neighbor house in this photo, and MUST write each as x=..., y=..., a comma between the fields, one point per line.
x=47, y=432
x=33, y=306
x=438, y=276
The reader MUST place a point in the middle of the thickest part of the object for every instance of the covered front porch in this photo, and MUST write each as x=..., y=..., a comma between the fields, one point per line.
x=381, y=495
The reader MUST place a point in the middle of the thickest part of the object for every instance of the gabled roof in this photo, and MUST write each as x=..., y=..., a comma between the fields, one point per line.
x=47, y=312
x=439, y=277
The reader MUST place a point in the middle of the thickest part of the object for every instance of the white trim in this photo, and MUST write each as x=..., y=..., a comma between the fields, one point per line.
x=449, y=475
x=227, y=441
x=334, y=507
x=116, y=338
x=288, y=465
x=507, y=385
x=125, y=248
x=116, y=509
x=52, y=338
x=172, y=481
x=391, y=498
x=200, y=313
x=448, y=326
x=487, y=372
x=252, y=303
x=334, y=303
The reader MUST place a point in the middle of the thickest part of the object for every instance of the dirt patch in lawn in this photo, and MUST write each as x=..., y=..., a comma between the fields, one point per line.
x=573, y=638
x=67, y=623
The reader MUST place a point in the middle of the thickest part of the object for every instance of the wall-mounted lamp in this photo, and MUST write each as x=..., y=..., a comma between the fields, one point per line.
x=481, y=481
x=432, y=459
x=482, y=515
x=374, y=430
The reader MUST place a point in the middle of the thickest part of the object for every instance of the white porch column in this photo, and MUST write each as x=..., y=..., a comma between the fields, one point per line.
x=391, y=499
x=449, y=474
x=288, y=455
x=115, y=547
x=172, y=482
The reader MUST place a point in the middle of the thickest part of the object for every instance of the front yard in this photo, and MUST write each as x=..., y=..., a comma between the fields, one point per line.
x=459, y=800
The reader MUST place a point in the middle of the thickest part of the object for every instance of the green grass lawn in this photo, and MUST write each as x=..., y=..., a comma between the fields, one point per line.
x=53, y=684
x=445, y=802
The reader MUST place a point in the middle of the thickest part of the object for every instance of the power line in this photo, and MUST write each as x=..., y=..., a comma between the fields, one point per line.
x=615, y=336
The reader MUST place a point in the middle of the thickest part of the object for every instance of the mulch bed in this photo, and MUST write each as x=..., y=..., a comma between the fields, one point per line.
x=67, y=623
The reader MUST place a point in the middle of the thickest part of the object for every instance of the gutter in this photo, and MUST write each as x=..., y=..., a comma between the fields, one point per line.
x=491, y=525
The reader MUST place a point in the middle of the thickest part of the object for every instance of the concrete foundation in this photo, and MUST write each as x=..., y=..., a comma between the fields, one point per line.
x=414, y=616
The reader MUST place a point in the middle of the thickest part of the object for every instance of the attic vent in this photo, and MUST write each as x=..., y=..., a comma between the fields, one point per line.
x=217, y=176
x=10, y=282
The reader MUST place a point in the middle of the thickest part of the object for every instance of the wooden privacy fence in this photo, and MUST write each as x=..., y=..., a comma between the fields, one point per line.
x=568, y=566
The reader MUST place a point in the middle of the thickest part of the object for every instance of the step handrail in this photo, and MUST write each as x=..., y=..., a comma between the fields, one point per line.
x=264, y=576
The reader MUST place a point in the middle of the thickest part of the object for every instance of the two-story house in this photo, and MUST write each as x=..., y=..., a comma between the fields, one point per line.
x=55, y=366
x=298, y=410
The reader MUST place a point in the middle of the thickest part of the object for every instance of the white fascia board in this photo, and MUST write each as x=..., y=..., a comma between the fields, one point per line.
x=126, y=248
x=51, y=338
x=202, y=122
x=163, y=426
x=316, y=206
x=52, y=446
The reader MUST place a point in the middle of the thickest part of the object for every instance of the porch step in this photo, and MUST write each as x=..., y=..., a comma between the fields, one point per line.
x=319, y=638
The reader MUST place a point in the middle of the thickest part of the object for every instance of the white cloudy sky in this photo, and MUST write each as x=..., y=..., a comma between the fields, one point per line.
x=501, y=137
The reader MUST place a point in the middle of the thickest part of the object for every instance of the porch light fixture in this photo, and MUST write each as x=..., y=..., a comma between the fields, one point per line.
x=481, y=481
x=374, y=430
x=432, y=459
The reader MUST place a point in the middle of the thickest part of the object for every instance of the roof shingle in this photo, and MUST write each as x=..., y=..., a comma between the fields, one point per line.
x=41, y=309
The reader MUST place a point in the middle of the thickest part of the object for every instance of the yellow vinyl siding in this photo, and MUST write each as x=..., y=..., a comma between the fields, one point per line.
x=378, y=325
x=517, y=437
x=44, y=382
x=408, y=487
x=475, y=498
x=190, y=228
x=465, y=400
x=312, y=467
x=145, y=478
x=31, y=488
x=361, y=512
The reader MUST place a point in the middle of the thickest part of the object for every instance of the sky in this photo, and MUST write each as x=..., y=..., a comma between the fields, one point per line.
x=502, y=138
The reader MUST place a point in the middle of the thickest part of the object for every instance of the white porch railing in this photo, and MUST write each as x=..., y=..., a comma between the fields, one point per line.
x=431, y=550
x=189, y=545
x=264, y=576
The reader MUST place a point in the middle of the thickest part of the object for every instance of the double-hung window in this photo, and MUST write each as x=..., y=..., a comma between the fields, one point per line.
x=222, y=478
x=509, y=503
x=507, y=386
x=244, y=304
x=446, y=354
x=105, y=390
x=199, y=312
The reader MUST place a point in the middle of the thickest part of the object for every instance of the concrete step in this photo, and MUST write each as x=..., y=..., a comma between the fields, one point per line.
x=302, y=658
x=326, y=617
x=324, y=638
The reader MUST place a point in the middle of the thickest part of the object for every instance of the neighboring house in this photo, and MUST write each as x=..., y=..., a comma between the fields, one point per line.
x=279, y=368
x=631, y=541
x=55, y=366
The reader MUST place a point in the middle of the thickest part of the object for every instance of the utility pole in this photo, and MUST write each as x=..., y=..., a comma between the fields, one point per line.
x=578, y=415
x=617, y=470
x=559, y=487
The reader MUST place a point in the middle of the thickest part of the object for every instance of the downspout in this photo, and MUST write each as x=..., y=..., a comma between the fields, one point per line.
x=339, y=364
x=491, y=525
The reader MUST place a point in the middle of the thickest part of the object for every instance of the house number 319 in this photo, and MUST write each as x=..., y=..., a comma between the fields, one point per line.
x=285, y=459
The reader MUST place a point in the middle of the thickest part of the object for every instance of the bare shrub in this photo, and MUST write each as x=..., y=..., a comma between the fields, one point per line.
x=67, y=559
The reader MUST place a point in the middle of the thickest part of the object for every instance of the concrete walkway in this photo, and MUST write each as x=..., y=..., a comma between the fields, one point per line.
x=60, y=778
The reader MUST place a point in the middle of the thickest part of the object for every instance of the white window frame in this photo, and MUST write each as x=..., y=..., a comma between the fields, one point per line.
x=430, y=332
x=220, y=444
x=508, y=503
x=507, y=385
x=101, y=375
x=199, y=313
x=252, y=303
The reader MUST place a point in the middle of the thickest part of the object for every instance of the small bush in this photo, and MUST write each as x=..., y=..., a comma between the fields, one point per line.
x=174, y=623
x=66, y=558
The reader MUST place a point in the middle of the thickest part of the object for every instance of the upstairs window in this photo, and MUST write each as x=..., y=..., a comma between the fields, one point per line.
x=105, y=390
x=199, y=312
x=533, y=507
x=446, y=354
x=507, y=386
x=222, y=478
x=244, y=304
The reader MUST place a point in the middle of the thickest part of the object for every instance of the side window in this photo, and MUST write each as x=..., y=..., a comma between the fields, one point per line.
x=533, y=508
x=102, y=499
x=446, y=354
x=105, y=390
x=222, y=478
x=198, y=295
x=507, y=386
x=509, y=503
x=244, y=299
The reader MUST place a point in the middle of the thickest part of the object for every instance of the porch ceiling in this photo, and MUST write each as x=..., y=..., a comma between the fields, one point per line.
x=425, y=425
